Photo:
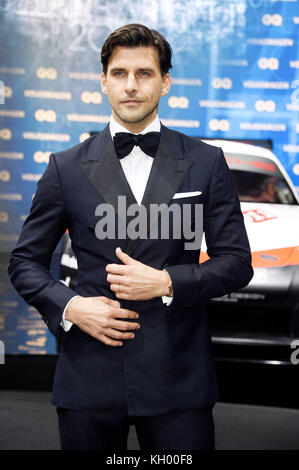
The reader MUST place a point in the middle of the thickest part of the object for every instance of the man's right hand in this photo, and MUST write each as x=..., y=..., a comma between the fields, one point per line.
x=102, y=318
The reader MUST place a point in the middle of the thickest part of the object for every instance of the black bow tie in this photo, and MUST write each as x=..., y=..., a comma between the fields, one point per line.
x=124, y=143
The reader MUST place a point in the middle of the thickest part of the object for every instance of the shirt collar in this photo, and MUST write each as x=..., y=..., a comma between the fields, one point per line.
x=115, y=127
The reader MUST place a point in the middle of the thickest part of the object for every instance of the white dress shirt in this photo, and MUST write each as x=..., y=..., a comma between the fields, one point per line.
x=136, y=166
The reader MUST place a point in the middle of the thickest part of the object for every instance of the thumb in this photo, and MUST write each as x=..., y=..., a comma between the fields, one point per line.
x=123, y=257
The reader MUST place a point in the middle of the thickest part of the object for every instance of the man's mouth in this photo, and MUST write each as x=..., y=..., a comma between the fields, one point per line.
x=131, y=101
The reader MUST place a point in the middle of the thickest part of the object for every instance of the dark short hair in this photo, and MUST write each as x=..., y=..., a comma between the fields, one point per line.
x=137, y=35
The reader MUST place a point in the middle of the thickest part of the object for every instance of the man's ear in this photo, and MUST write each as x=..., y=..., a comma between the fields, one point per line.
x=166, y=84
x=103, y=84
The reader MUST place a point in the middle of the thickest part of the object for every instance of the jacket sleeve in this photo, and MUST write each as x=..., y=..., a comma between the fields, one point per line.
x=229, y=267
x=30, y=260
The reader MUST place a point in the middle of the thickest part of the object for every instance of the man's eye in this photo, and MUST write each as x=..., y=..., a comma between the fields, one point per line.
x=118, y=73
x=144, y=73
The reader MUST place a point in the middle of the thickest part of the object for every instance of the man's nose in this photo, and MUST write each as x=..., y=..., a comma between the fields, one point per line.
x=131, y=84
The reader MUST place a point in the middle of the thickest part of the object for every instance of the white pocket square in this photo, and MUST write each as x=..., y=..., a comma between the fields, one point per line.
x=188, y=194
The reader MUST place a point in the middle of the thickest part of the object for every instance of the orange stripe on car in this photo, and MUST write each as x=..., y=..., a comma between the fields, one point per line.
x=269, y=258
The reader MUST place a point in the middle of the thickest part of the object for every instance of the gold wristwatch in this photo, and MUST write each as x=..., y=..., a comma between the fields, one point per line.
x=170, y=290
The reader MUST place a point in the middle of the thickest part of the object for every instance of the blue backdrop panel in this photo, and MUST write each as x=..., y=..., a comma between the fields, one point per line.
x=235, y=75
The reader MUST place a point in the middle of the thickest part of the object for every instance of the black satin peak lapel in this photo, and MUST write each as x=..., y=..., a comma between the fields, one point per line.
x=107, y=177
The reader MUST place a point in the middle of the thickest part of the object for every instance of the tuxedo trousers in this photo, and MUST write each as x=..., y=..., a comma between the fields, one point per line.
x=108, y=430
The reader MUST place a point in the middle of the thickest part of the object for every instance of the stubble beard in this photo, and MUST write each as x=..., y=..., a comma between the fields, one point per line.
x=142, y=115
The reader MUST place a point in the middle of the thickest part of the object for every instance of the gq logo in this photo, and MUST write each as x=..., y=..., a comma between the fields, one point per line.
x=4, y=175
x=269, y=106
x=219, y=125
x=274, y=20
x=178, y=102
x=272, y=63
x=41, y=157
x=46, y=73
x=5, y=134
x=45, y=115
x=3, y=217
x=225, y=83
x=91, y=97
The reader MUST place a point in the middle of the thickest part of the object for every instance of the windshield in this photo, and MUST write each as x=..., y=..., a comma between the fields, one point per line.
x=259, y=187
x=258, y=179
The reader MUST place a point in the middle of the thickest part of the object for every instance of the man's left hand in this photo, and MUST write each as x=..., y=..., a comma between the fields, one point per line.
x=133, y=280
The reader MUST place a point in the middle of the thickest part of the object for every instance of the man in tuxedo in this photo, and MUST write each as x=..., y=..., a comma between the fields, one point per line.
x=134, y=335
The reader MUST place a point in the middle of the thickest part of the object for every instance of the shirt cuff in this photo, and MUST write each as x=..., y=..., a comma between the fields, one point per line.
x=66, y=324
x=166, y=300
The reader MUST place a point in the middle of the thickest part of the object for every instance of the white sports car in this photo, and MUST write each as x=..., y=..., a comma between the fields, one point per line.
x=265, y=314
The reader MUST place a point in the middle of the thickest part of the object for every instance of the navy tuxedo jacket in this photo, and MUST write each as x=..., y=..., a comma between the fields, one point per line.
x=168, y=366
